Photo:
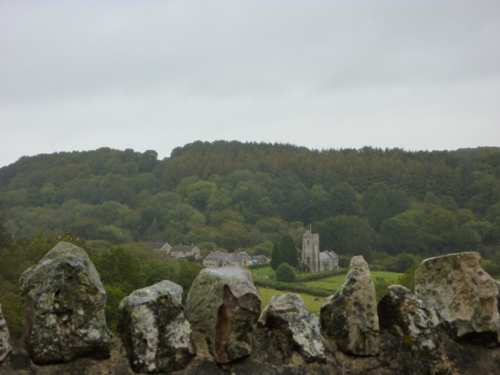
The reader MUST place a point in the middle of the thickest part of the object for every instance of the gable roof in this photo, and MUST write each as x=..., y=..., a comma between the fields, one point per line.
x=326, y=255
x=182, y=248
x=218, y=255
x=238, y=256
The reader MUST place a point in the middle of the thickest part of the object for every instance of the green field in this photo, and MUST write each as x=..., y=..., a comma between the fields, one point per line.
x=334, y=282
x=313, y=304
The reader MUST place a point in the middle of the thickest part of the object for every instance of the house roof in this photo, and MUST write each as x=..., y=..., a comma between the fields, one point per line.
x=218, y=255
x=166, y=247
x=182, y=248
x=238, y=256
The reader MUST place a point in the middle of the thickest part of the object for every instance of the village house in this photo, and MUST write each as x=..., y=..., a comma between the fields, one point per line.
x=260, y=259
x=213, y=259
x=216, y=259
x=236, y=259
x=184, y=251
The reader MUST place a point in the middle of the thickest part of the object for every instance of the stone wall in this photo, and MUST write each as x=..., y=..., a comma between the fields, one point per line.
x=224, y=330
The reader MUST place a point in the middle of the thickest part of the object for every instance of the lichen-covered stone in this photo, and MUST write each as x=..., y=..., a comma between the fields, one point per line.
x=154, y=330
x=463, y=295
x=224, y=304
x=287, y=313
x=350, y=315
x=402, y=309
x=5, y=347
x=63, y=307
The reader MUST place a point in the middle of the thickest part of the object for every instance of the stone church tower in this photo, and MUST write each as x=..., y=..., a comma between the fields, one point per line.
x=310, y=251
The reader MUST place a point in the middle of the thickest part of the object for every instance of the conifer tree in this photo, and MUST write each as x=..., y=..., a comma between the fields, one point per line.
x=288, y=251
x=276, y=257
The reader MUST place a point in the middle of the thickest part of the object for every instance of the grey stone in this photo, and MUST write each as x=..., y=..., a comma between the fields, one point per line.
x=224, y=304
x=154, y=330
x=287, y=313
x=463, y=295
x=350, y=315
x=402, y=310
x=63, y=307
x=5, y=347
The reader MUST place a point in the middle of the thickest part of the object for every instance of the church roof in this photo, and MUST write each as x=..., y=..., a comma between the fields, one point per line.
x=326, y=255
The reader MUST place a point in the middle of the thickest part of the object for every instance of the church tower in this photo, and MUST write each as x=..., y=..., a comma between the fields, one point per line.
x=310, y=251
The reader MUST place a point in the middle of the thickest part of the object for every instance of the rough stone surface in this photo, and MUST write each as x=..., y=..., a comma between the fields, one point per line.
x=498, y=295
x=154, y=330
x=451, y=358
x=63, y=307
x=350, y=315
x=287, y=314
x=224, y=305
x=401, y=310
x=463, y=295
x=5, y=347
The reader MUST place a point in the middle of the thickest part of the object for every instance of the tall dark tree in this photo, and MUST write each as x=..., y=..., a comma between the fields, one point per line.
x=276, y=257
x=288, y=251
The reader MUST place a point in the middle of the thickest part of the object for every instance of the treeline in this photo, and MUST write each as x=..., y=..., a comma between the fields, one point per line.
x=234, y=195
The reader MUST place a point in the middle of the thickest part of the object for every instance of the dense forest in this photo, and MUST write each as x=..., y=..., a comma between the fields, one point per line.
x=392, y=206
x=234, y=195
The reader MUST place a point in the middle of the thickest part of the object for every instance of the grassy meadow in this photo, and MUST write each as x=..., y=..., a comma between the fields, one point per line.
x=333, y=283
x=313, y=304
x=328, y=283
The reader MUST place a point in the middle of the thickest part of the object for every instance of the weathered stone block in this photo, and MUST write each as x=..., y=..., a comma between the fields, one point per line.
x=287, y=313
x=63, y=307
x=224, y=305
x=154, y=330
x=403, y=309
x=5, y=347
x=463, y=295
x=350, y=315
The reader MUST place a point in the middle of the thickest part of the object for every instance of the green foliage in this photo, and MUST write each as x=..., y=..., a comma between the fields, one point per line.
x=288, y=251
x=381, y=285
x=276, y=259
x=346, y=234
x=407, y=279
x=118, y=268
x=285, y=273
x=240, y=195
x=492, y=264
x=11, y=308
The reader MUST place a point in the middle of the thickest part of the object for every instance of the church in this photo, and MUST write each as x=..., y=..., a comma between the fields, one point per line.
x=314, y=260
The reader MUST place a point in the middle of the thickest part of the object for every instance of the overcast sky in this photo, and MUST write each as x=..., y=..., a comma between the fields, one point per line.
x=79, y=75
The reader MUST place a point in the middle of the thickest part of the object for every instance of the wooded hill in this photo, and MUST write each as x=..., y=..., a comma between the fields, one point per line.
x=236, y=195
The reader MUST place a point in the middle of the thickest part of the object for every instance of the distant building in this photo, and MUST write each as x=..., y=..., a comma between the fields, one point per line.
x=213, y=259
x=158, y=246
x=314, y=260
x=328, y=260
x=184, y=251
x=236, y=259
x=165, y=248
x=260, y=259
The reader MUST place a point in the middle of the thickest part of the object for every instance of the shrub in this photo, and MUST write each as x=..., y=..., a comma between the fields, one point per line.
x=285, y=273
